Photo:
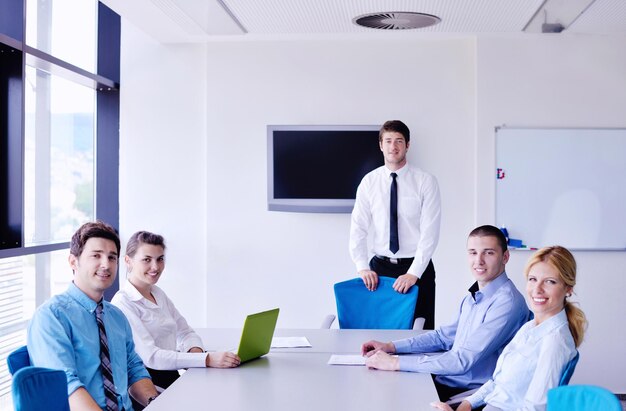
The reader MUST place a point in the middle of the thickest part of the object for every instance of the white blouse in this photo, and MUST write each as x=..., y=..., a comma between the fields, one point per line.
x=162, y=336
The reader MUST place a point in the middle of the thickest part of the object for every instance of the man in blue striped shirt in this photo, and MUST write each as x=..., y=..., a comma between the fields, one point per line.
x=64, y=333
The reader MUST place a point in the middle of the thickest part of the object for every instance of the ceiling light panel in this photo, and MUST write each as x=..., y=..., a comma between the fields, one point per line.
x=171, y=9
x=602, y=16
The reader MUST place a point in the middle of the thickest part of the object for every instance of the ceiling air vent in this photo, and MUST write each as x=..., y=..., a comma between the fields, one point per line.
x=396, y=20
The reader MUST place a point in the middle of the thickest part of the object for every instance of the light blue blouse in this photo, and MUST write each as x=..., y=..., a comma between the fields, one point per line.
x=529, y=366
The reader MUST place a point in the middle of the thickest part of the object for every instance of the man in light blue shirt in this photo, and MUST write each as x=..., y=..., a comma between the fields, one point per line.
x=463, y=355
x=64, y=333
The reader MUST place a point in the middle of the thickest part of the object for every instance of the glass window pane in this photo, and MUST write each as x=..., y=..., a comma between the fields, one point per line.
x=59, y=157
x=9, y=341
x=26, y=282
x=66, y=29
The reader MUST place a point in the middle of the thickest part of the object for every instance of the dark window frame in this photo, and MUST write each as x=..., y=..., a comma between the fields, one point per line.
x=105, y=82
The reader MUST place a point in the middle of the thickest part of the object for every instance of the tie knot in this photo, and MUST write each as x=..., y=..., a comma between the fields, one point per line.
x=393, y=175
x=99, y=308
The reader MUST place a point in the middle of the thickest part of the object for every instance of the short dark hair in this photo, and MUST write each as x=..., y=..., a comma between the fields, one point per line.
x=93, y=229
x=490, y=231
x=143, y=237
x=396, y=126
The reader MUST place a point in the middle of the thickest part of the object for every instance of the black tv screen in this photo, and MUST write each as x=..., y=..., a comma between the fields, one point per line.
x=318, y=168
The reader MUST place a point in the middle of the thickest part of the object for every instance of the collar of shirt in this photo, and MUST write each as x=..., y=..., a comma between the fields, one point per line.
x=490, y=289
x=134, y=294
x=82, y=298
x=537, y=332
x=401, y=171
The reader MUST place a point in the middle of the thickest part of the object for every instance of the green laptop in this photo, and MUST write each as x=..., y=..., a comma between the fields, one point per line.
x=256, y=337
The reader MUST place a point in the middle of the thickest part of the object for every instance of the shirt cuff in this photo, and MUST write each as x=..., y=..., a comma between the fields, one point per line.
x=73, y=385
x=414, y=268
x=360, y=266
x=191, y=359
x=474, y=400
x=402, y=346
x=409, y=363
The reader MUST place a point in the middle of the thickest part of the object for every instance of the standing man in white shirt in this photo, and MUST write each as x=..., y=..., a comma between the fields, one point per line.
x=402, y=206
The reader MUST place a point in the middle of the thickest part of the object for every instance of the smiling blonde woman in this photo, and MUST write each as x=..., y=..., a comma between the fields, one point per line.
x=534, y=361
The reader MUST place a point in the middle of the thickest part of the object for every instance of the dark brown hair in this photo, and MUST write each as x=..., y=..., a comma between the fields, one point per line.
x=396, y=126
x=143, y=237
x=94, y=229
x=490, y=231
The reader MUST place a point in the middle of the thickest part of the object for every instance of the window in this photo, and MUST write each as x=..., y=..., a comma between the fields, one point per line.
x=65, y=29
x=58, y=158
x=59, y=142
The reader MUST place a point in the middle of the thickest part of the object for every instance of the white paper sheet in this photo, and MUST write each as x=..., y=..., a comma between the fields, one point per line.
x=346, y=359
x=290, y=342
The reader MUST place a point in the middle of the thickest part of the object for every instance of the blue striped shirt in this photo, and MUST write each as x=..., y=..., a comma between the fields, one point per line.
x=63, y=334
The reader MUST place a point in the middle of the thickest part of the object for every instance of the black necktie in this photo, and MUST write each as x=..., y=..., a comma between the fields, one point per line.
x=394, y=243
x=105, y=364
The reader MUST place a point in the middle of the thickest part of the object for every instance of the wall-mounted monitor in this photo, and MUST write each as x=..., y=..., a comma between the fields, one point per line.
x=317, y=169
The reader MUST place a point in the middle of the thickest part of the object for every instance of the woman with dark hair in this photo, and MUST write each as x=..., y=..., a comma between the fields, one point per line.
x=534, y=361
x=163, y=339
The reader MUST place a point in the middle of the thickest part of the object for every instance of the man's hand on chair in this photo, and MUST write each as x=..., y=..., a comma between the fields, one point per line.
x=404, y=282
x=370, y=279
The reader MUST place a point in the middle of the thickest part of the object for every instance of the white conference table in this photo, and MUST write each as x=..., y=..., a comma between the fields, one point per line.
x=322, y=340
x=299, y=379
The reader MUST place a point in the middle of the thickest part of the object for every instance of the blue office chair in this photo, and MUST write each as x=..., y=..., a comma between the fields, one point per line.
x=18, y=359
x=582, y=398
x=37, y=388
x=385, y=308
x=569, y=370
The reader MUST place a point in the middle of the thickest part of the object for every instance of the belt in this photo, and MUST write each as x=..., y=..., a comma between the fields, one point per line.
x=395, y=260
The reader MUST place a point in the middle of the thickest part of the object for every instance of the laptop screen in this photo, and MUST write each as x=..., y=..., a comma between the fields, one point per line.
x=256, y=337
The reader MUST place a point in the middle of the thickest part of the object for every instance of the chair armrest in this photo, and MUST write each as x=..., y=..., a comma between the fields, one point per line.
x=328, y=321
x=419, y=323
x=455, y=400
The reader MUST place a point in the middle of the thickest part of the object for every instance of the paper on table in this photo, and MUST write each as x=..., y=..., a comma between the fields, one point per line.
x=346, y=359
x=290, y=342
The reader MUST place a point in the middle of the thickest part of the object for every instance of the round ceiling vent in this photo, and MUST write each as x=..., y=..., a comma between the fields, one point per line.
x=396, y=20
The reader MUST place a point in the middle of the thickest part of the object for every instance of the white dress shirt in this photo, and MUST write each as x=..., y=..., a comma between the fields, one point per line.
x=419, y=217
x=530, y=365
x=162, y=336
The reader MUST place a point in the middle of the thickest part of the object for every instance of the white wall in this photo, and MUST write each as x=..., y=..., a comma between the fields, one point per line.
x=560, y=81
x=163, y=160
x=193, y=160
x=258, y=259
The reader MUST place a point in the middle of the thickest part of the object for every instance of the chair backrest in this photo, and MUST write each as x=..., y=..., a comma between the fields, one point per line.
x=569, y=370
x=18, y=359
x=385, y=308
x=37, y=388
x=582, y=398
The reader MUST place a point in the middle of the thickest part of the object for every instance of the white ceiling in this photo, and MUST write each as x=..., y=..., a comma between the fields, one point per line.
x=176, y=21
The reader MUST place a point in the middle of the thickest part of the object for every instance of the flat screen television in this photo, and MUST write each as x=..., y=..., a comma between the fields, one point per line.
x=317, y=169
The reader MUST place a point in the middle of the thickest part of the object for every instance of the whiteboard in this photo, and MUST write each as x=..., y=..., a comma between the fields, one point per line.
x=562, y=187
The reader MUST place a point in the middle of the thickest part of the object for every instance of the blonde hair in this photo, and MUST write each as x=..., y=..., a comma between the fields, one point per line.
x=564, y=263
